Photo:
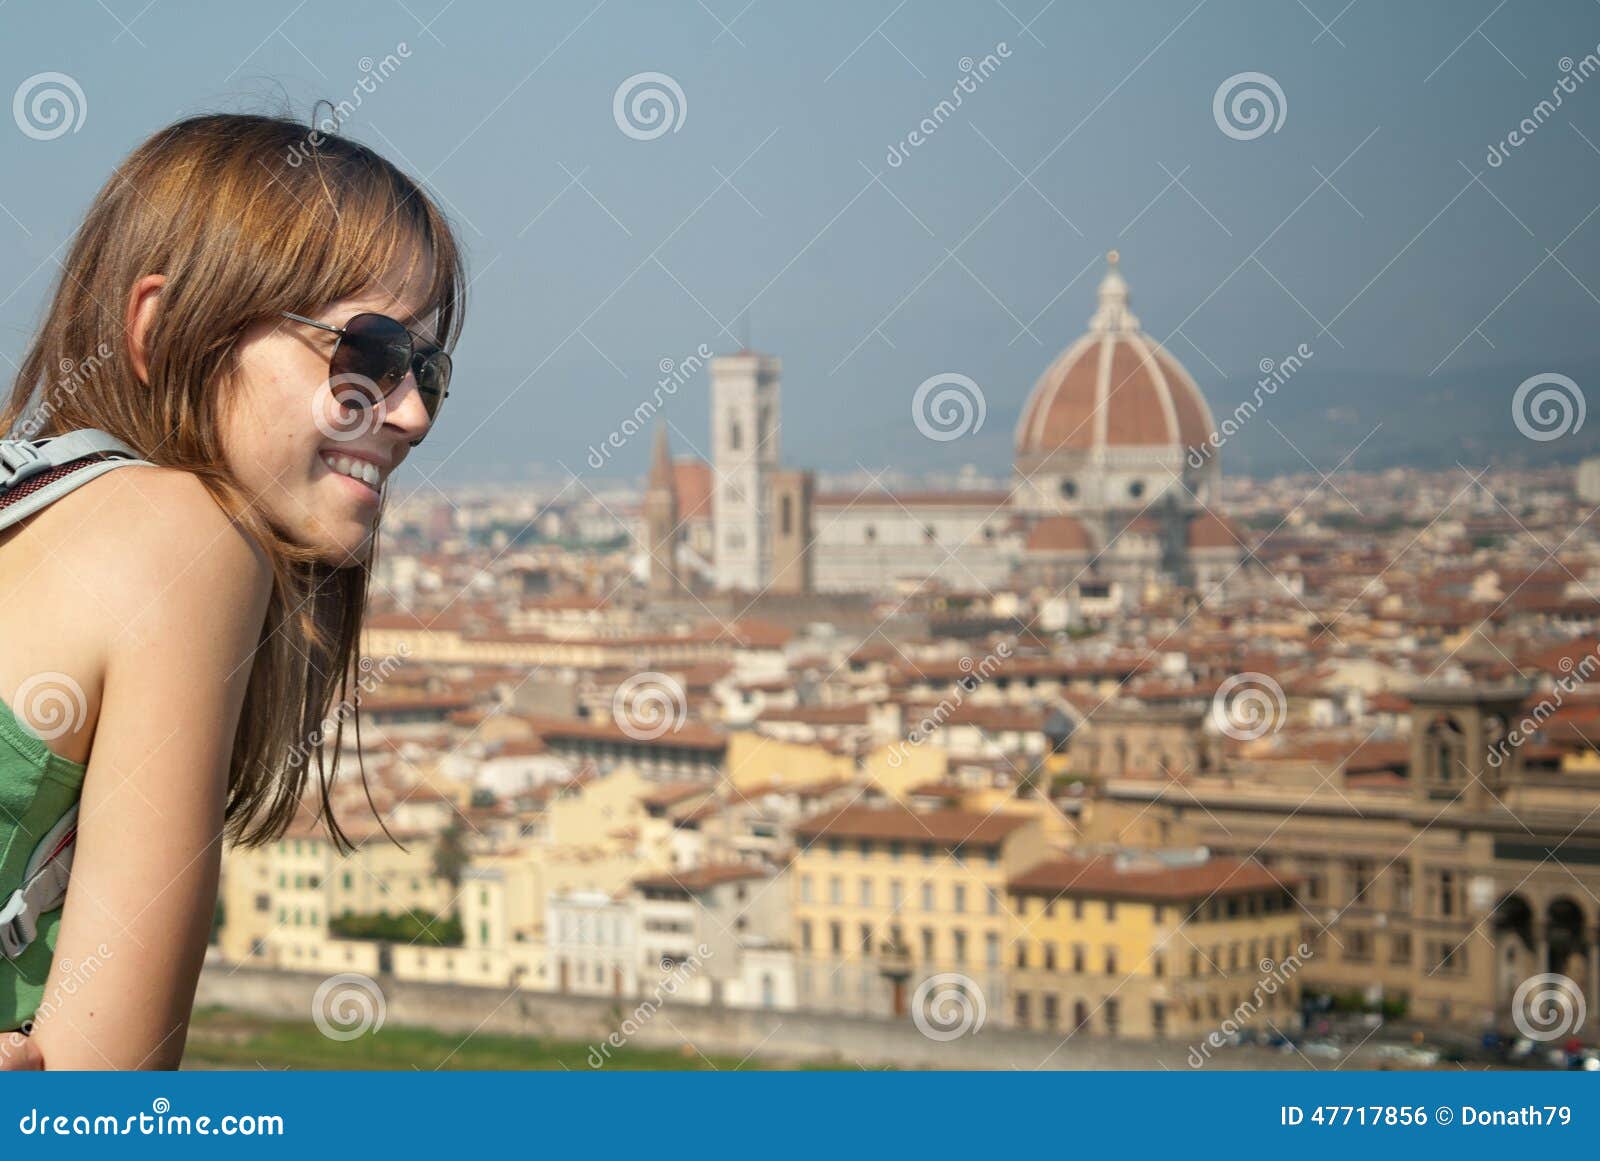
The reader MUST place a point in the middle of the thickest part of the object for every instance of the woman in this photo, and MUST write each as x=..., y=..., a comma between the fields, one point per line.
x=260, y=311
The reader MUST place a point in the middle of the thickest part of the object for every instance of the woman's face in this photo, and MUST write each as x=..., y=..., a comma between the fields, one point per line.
x=315, y=463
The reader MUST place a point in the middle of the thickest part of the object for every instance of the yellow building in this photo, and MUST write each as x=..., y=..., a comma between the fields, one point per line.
x=756, y=760
x=1160, y=944
x=278, y=898
x=885, y=897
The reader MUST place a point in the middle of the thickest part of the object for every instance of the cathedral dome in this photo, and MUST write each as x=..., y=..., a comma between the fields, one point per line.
x=1112, y=391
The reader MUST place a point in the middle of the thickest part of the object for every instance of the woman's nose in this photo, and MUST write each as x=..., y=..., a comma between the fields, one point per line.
x=405, y=411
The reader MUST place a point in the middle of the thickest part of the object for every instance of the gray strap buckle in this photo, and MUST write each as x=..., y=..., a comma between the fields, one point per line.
x=18, y=925
x=19, y=460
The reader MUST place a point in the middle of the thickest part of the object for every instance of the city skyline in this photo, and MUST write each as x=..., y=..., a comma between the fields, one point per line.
x=773, y=210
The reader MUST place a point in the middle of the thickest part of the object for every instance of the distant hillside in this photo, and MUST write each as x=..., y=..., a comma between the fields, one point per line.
x=1454, y=417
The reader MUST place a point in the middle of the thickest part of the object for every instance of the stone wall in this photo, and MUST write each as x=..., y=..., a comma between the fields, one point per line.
x=773, y=1036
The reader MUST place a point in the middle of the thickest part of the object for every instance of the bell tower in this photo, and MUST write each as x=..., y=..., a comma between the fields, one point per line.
x=745, y=454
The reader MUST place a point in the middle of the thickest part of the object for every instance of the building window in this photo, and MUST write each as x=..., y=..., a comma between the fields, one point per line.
x=786, y=517
x=1358, y=946
x=994, y=902
x=866, y=938
x=735, y=435
x=959, y=901
x=1049, y=1013
x=897, y=893
x=1069, y=489
x=960, y=940
x=1078, y=958
x=991, y=950
x=805, y=935
x=1111, y=961
x=1111, y=911
x=805, y=888
x=1447, y=893
x=870, y=534
x=866, y=892
x=1077, y=908
x=1158, y=1018
x=1402, y=886
x=835, y=890
x=927, y=896
x=836, y=936
x=1360, y=879
x=1022, y=1009
x=1049, y=957
x=1135, y=490
x=1112, y=1011
x=1080, y=1016
x=927, y=945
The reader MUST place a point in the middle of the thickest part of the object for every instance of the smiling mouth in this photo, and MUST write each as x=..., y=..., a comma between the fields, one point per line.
x=362, y=471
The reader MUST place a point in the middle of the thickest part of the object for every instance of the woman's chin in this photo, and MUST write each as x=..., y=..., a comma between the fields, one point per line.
x=337, y=540
x=347, y=546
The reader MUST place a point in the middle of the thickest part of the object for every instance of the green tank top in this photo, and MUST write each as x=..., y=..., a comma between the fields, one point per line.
x=37, y=786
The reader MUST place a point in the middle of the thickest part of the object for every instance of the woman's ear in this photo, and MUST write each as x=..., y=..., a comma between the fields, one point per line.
x=142, y=303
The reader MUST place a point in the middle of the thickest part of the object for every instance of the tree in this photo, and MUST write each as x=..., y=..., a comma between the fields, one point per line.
x=450, y=856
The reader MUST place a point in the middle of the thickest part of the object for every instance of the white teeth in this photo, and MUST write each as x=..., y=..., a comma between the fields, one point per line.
x=362, y=470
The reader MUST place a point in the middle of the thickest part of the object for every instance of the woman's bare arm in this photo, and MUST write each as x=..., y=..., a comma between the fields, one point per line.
x=183, y=601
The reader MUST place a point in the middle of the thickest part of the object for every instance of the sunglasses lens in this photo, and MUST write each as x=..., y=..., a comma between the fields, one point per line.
x=433, y=380
x=374, y=348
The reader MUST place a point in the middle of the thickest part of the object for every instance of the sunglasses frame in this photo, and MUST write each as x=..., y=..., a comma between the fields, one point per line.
x=417, y=351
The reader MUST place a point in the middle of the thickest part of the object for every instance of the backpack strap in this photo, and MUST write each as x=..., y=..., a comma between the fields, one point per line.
x=44, y=886
x=36, y=473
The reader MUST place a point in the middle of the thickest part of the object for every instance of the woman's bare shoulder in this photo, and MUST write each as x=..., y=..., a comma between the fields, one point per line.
x=137, y=533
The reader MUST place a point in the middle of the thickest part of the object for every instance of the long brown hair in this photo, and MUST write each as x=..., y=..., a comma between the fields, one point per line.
x=247, y=216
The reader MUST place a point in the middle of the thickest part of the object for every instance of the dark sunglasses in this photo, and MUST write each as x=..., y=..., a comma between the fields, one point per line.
x=375, y=351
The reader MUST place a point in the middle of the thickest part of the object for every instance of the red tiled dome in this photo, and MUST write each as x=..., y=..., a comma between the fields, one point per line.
x=1059, y=534
x=1115, y=387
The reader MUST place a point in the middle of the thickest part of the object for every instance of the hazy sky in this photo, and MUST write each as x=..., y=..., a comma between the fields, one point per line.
x=598, y=255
